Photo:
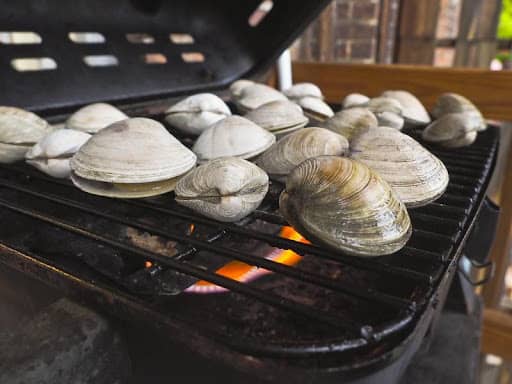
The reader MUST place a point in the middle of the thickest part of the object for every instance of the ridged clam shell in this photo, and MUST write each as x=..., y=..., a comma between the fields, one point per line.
x=19, y=130
x=233, y=136
x=384, y=104
x=455, y=103
x=351, y=122
x=315, y=108
x=277, y=116
x=343, y=204
x=197, y=112
x=390, y=119
x=51, y=155
x=279, y=160
x=236, y=87
x=354, y=100
x=94, y=117
x=300, y=90
x=413, y=110
x=255, y=95
x=416, y=175
x=225, y=189
x=453, y=130
x=136, y=157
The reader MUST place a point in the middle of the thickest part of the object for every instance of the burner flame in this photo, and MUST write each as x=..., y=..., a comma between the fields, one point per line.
x=243, y=272
x=148, y=264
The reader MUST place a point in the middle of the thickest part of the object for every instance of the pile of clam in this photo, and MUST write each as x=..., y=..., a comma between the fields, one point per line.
x=348, y=177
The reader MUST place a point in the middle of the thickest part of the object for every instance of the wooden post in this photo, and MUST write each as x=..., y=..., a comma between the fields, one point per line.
x=388, y=24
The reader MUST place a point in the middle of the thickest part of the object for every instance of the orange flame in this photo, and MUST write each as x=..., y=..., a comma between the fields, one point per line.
x=237, y=270
x=148, y=264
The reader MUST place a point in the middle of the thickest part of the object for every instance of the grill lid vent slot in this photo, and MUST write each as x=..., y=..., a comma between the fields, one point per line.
x=22, y=37
x=101, y=60
x=30, y=64
x=86, y=37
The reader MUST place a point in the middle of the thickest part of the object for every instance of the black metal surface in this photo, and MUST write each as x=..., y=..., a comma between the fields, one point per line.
x=311, y=315
x=231, y=47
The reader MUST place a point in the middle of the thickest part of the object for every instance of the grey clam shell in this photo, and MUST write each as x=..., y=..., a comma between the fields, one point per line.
x=300, y=90
x=279, y=160
x=413, y=110
x=94, y=117
x=315, y=108
x=416, y=175
x=354, y=100
x=225, y=189
x=254, y=95
x=453, y=130
x=454, y=103
x=278, y=116
x=351, y=122
x=343, y=204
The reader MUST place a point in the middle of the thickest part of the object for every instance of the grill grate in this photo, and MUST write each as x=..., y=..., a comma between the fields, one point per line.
x=328, y=303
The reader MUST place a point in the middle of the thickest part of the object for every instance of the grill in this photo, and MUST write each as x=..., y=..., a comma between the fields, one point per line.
x=328, y=316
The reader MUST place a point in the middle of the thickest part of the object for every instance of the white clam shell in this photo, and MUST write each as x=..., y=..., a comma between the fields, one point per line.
x=351, y=122
x=453, y=130
x=354, y=100
x=136, y=157
x=278, y=116
x=255, y=95
x=197, y=112
x=279, y=160
x=19, y=130
x=416, y=175
x=385, y=104
x=236, y=87
x=455, y=103
x=315, y=108
x=225, y=189
x=94, y=117
x=413, y=110
x=51, y=155
x=300, y=90
x=233, y=136
x=390, y=119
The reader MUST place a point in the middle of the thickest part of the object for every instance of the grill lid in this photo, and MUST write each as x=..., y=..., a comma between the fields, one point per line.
x=138, y=49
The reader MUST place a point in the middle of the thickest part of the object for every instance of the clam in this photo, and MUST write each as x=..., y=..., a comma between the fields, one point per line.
x=315, y=108
x=453, y=130
x=278, y=117
x=254, y=95
x=94, y=117
x=351, y=122
x=413, y=110
x=293, y=149
x=19, y=131
x=354, y=100
x=343, y=204
x=224, y=189
x=390, y=119
x=233, y=136
x=132, y=158
x=416, y=175
x=196, y=113
x=300, y=90
x=51, y=155
x=454, y=103
x=237, y=86
x=384, y=104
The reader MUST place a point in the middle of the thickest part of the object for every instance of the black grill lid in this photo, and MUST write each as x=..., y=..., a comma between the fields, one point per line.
x=220, y=30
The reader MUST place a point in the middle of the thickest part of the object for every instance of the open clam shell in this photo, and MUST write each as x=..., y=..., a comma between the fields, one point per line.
x=94, y=117
x=343, y=204
x=315, y=108
x=351, y=122
x=413, y=110
x=132, y=158
x=255, y=95
x=233, y=136
x=19, y=131
x=51, y=155
x=224, y=189
x=236, y=87
x=416, y=175
x=453, y=130
x=354, y=100
x=278, y=116
x=300, y=90
x=455, y=103
x=195, y=113
x=279, y=160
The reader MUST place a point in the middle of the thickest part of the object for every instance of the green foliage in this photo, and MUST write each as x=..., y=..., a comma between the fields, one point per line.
x=505, y=23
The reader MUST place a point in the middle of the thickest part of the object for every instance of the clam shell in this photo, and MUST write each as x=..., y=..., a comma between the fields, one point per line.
x=255, y=95
x=344, y=205
x=354, y=100
x=384, y=104
x=279, y=160
x=236, y=87
x=94, y=117
x=416, y=175
x=51, y=155
x=132, y=158
x=351, y=122
x=278, y=116
x=300, y=90
x=233, y=136
x=455, y=103
x=19, y=130
x=315, y=108
x=453, y=130
x=390, y=119
x=413, y=110
x=224, y=189
x=197, y=112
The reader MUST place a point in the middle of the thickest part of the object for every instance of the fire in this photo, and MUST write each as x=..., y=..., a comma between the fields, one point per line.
x=191, y=229
x=243, y=272
x=148, y=264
